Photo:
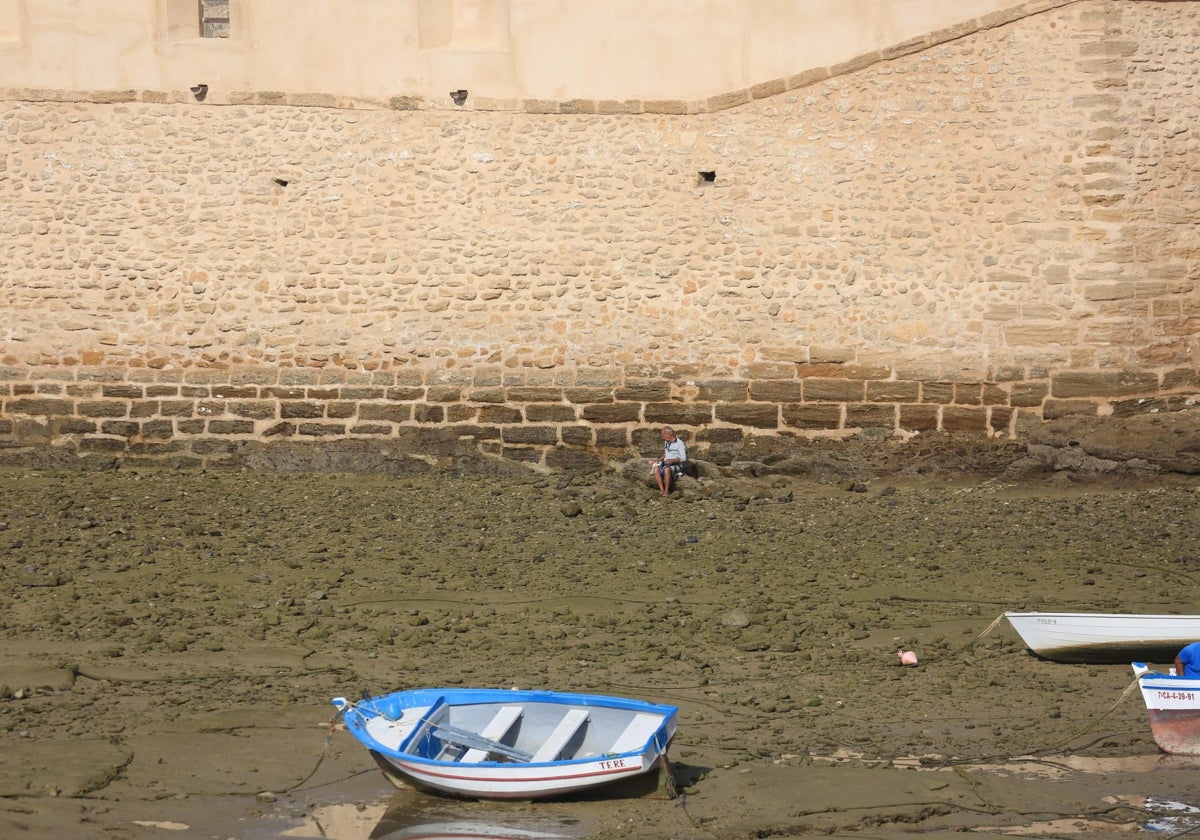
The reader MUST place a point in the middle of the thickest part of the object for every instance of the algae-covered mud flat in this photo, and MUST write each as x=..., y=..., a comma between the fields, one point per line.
x=170, y=642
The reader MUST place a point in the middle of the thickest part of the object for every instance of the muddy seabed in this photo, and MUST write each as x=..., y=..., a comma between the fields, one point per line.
x=171, y=641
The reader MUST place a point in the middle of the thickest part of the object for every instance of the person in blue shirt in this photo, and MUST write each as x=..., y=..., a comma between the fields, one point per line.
x=1187, y=663
x=670, y=466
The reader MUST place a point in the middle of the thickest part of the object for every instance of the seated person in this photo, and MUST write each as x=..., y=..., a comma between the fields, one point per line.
x=670, y=466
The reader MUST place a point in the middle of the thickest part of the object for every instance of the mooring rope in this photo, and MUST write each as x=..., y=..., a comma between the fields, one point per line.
x=987, y=630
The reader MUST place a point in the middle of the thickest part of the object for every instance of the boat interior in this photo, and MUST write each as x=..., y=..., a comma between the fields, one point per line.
x=528, y=732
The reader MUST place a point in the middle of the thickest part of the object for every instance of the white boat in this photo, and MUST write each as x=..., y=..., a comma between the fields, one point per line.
x=509, y=744
x=1173, y=704
x=1105, y=637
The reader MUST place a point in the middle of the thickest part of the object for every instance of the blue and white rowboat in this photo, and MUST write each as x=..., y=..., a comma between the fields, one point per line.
x=509, y=744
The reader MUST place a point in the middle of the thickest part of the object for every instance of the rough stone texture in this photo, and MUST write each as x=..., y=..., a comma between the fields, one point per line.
x=976, y=236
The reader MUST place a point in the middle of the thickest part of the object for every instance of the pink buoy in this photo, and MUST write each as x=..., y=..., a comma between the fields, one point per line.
x=907, y=657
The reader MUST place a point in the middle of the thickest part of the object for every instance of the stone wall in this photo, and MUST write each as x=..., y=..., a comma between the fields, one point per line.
x=978, y=236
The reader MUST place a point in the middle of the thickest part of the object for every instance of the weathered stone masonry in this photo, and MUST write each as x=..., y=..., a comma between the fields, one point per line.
x=976, y=236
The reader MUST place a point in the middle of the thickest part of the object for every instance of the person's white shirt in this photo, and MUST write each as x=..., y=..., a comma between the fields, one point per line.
x=674, y=449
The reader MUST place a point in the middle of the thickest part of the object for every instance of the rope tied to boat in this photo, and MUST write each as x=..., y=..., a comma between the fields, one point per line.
x=977, y=639
x=1124, y=694
x=333, y=722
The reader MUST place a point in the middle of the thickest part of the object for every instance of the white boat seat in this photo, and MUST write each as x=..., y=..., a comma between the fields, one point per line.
x=500, y=725
x=636, y=733
x=553, y=746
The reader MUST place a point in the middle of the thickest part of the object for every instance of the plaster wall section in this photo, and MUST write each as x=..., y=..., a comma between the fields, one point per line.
x=506, y=53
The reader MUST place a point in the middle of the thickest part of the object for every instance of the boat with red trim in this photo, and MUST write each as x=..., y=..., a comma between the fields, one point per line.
x=486, y=743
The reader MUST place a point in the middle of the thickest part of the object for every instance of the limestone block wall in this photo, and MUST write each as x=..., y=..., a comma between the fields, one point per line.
x=977, y=236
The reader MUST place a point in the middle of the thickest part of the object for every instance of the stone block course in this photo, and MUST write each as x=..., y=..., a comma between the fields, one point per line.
x=678, y=414
x=968, y=393
x=920, y=418
x=102, y=408
x=545, y=413
x=222, y=428
x=1028, y=394
x=776, y=391
x=1102, y=383
x=40, y=407
x=722, y=391
x=644, y=391
x=534, y=394
x=937, y=392
x=612, y=413
x=893, y=391
x=834, y=390
x=121, y=428
x=1054, y=409
x=500, y=414
x=964, y=419
x=812, y=416
x=528, y=434
x=607, y=438
x=759, y=416
x=128, y=392
x=109, y=445
x=296, y=409
x=871, y=416
x=405, y=393
x=253, y=409
x=321, y=430
x=370, y=430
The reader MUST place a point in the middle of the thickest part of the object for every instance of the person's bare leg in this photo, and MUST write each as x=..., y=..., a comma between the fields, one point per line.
x=662, y=478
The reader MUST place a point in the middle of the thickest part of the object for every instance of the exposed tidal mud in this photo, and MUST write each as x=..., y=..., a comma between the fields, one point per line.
x=170, y=642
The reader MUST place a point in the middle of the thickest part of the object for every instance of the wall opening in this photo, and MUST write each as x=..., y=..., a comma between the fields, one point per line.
x=191, y=19
x=214, y=18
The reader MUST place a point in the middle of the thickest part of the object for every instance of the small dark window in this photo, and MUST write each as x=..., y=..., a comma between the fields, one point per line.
x=706, y=176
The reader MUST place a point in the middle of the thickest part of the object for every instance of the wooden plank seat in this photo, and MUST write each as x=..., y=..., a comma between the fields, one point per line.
x=472, y=740
x=504, y=720
x=636, y=733
x=553, y=746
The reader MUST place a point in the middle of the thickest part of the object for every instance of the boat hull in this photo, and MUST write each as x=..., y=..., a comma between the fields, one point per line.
x=500, y=744
x=1105, y=638
x=1173, y=706
x=544, y=785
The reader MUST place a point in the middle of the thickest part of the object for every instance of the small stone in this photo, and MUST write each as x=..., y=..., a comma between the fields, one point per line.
x=735, y=618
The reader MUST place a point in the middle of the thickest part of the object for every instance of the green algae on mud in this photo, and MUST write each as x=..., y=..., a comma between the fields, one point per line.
x=185, y=631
